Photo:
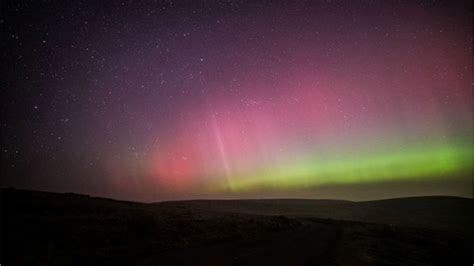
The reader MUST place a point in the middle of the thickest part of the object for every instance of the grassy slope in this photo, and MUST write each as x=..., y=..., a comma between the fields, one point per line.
x=65, y=229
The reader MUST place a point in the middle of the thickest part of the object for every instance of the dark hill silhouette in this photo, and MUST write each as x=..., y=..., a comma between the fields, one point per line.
x=44, y=228
x=442, y=212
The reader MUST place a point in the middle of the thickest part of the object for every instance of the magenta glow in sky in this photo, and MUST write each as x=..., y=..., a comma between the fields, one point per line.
x=234, y=99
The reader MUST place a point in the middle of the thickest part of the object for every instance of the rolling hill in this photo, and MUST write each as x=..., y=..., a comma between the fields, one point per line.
x=43, y=228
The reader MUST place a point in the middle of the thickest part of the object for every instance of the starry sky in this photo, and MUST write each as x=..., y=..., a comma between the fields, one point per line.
x=159, y=100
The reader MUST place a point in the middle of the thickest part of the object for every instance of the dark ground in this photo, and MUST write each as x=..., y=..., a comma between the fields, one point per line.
x=40, y=228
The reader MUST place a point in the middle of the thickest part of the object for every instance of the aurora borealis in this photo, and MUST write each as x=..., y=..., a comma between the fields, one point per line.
x=171, y=100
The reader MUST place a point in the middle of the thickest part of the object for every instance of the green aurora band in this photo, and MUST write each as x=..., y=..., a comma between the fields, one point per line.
x=415, y=163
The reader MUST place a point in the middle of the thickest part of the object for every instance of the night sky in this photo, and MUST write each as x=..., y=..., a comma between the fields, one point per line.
x=158, y=100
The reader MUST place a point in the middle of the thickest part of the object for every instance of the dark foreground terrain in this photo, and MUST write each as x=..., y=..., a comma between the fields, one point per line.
x=40, y=228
